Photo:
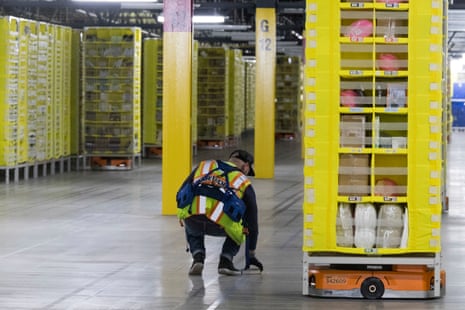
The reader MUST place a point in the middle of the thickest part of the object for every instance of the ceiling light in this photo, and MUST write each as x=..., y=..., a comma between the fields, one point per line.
x=97, y=1
x=200, y=19
x=208, y=19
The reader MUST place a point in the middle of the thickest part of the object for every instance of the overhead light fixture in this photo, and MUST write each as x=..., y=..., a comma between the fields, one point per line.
x=208, y=19
x=200, y=19
x=115, y=1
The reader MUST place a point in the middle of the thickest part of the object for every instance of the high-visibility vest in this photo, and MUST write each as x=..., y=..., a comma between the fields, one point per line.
x=213, y=208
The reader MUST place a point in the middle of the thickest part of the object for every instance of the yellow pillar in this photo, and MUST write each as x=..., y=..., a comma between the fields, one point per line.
x=177, y=93
x=265, y=51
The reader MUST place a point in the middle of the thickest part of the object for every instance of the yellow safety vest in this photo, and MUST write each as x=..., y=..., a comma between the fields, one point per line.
x=213, y=208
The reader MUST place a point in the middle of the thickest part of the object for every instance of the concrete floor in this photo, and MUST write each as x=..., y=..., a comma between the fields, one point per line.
x=96, y=240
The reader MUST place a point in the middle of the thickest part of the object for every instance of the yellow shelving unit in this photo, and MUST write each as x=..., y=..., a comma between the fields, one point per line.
x=236, y=101
x=373, y=141
x=194, y=107
x=152, y=93
x=43, y=91
x=249, y=64
x=9, y=94
x=213, y=97
x=75, y=93
x=288, y=97
x=111, y=96
x=32, y=65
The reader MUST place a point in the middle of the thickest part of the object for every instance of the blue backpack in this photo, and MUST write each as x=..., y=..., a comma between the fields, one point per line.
x=233, y=206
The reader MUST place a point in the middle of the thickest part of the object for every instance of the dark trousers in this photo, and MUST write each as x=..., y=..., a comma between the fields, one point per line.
x=197, y=226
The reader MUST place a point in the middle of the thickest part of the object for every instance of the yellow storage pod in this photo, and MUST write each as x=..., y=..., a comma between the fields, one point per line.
x=288, y=97
x=213, y=97
x=373, y=127
x=194, y=98
x=9, y=91
x=44, y=86
x=152, y=92
x=111, y=92
x=249, y=64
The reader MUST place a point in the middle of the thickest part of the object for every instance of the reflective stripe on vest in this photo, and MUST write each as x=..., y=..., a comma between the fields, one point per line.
x=217, y=212
x=202, y=204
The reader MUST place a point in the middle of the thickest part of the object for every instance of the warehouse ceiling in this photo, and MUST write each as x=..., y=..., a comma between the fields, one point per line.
x=238, y=29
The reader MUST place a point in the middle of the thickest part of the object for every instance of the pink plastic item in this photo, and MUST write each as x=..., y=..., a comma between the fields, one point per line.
x=388, y=62
x=348, y=98
x=385, y=187
x=360, y=29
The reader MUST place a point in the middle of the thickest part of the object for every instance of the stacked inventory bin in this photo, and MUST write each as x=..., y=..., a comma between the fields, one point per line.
x=236, y=85
x=152, y=93
x=249, y=112
x=9, y=77
x=213, y=97
x=373, y=143
x=22, y=126
x=43, y=91
x=32, y=65
x=111, y=96
x=75, y=94
x=288, y=96
x=60, y=95
x=194, y=106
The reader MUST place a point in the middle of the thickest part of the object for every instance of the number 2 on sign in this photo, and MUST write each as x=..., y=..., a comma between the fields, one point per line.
x=265, y=44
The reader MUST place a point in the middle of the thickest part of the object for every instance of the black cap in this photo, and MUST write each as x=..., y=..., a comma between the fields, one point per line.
x=245, y=157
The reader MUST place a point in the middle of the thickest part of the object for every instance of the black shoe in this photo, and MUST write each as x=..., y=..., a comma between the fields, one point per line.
x=227, y=267
x=197, y=265
x=253, y=261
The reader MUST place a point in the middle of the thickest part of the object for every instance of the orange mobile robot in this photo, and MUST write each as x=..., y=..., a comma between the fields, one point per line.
x=374, y=281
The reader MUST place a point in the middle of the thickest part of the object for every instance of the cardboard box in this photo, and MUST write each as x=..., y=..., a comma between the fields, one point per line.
x=352, y=131
x=354, y=175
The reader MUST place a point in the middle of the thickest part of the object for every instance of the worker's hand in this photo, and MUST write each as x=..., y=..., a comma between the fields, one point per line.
x=253, y=261
x=181, y=223
x=245, y=230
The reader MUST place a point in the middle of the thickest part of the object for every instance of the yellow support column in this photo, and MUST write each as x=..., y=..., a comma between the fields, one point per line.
x=265, y=51
x=177, y=91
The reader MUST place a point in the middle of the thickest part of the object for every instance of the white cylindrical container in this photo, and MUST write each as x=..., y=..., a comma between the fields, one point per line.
x=390, y=226
x=344, y=226
x=365, y=225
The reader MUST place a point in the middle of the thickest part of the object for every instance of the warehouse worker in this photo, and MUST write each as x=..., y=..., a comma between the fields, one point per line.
x=218, y=199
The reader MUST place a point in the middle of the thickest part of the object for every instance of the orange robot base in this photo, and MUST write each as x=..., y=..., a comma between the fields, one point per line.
x=374, y=282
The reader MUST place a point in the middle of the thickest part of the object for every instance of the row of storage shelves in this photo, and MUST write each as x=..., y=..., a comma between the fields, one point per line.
x=224, y=95
x=35, y=97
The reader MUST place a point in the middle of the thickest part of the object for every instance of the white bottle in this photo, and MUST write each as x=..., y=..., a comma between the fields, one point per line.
x=390, y=226
x=344, y=226
x=365, y=225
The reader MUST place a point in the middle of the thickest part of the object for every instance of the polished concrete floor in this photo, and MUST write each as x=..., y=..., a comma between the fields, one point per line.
x=97, y=240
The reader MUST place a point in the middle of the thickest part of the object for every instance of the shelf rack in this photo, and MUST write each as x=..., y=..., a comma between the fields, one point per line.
x=213, y=93
x=35, y=98
x=288, y=97
x=111, y=96
x=371, y=132
x=152, y=94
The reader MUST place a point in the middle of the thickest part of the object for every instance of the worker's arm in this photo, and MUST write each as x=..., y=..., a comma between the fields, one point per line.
x=251, y=225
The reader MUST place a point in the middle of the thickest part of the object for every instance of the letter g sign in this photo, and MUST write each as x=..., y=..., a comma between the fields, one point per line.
x=264, y=25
